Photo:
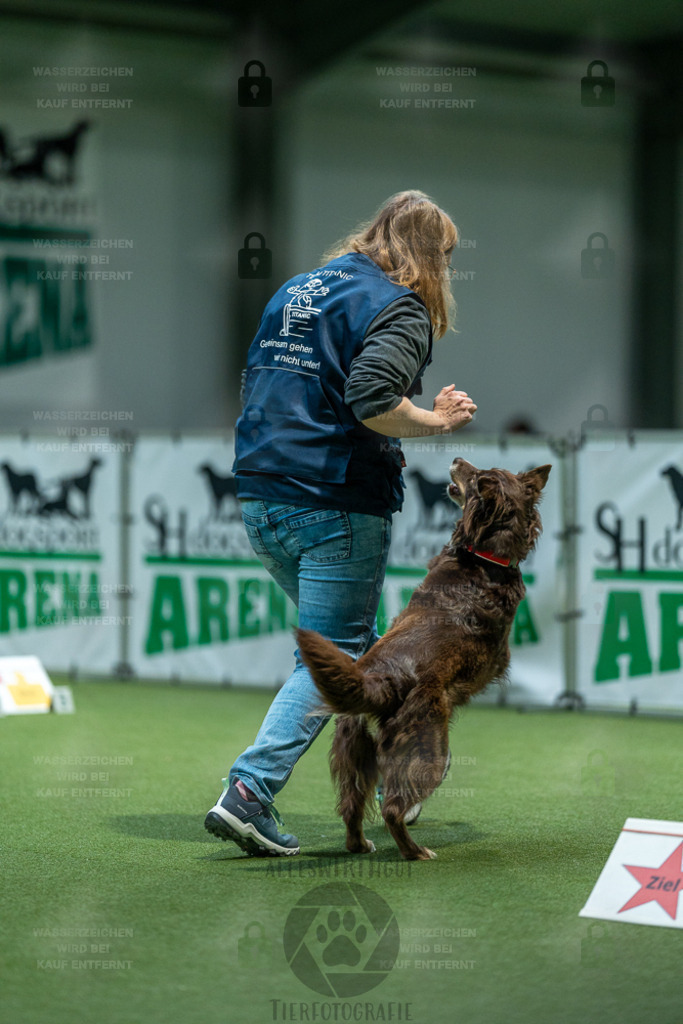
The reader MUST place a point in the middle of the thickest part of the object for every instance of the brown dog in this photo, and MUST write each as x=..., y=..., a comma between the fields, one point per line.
x=448, y=644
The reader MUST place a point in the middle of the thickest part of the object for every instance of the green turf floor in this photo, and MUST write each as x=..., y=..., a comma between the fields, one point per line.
x=118, y=908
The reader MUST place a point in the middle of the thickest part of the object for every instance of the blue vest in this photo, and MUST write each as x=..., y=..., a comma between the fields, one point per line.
x=297, y=440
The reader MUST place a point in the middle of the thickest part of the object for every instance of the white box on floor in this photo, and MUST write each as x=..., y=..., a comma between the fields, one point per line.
x=25, y=687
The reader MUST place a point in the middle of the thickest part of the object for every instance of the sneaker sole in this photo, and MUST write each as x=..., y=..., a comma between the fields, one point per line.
x=226, y=826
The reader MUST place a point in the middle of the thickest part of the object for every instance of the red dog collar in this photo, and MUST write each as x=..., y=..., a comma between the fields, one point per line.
x=490, y=557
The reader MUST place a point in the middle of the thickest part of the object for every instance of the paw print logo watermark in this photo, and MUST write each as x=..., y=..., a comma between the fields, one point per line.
x=341, y=939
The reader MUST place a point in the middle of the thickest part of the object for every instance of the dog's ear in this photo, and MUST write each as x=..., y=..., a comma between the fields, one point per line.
x=536, y=478
x=488, y=486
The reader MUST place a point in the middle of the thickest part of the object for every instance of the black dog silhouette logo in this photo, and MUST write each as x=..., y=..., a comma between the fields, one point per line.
x=54, y=497
x=220, y=488
x=50, y=159
x=436, y=508
x=675, y=478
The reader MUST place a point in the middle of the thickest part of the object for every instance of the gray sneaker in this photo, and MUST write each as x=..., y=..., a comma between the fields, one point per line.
x=249, y=824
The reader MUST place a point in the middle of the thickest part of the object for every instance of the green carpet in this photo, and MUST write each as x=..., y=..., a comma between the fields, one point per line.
x=118, y=908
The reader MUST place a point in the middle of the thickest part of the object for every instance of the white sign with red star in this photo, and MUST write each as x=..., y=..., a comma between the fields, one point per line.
x=643, y=877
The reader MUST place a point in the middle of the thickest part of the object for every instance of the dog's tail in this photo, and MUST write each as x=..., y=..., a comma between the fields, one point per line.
x=344, y=686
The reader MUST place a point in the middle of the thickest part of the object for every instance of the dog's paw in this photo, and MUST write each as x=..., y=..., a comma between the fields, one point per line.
x=425, y=854
x=367, y=846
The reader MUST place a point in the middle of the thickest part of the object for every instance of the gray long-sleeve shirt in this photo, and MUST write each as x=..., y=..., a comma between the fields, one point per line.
x=394, y=348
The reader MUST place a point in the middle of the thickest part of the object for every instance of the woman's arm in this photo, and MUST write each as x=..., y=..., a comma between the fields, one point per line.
x=452, y=410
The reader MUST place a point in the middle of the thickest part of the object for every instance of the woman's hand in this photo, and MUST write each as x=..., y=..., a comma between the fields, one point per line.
x=454, y=408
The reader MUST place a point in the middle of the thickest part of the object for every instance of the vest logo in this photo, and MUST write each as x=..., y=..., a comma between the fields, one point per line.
x=299, y=311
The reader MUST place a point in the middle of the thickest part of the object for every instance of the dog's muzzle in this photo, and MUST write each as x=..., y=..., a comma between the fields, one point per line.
x=460, y=472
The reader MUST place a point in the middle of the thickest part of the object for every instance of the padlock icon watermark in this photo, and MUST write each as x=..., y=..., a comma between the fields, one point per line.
x=254, y=90
x=597, y=261
x=254, y=261
x=597, y=775
x=253, y=948
x=597, y=90
x=597, y=429
x=597, y=947
x=255, y=425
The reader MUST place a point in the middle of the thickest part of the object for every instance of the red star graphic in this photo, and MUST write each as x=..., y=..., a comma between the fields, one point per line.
x=662, y=884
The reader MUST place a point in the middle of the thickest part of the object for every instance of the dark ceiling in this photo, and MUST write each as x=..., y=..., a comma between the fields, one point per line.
x=312, y=36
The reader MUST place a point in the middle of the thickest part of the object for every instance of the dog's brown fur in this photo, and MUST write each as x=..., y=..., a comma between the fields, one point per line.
x=448, y=644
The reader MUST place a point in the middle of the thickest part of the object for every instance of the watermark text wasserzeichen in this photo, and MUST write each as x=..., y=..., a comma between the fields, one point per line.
x=83, y=792
x=90, y=94
x=83, y=776
x=86, y=620
x=101, y=447
x=84, y=948
x=82, y=415
x=85, y=430
x=434, y=948
x=426, y=446
x=83, y=72
x=425, y=71
x=425, y=87
x=88, y=760
x=84, y=275
x=81, y=259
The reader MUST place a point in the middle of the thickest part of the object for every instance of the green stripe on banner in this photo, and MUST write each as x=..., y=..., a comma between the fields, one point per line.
x=70, y=556
x=12, y=232
x=650, y=575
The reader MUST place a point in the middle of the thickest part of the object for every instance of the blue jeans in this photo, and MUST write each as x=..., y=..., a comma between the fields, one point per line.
x=332, y=565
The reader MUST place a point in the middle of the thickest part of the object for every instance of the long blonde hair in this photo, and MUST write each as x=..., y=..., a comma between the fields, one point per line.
x=410, y=238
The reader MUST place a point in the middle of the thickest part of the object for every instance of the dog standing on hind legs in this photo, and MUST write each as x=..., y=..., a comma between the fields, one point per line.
x=448, y=644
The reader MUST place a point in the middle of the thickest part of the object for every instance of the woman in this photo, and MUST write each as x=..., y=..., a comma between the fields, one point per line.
x=338, y=355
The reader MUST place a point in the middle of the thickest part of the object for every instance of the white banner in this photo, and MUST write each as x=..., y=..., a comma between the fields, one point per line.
x=205, y=609
x=59, y=548
x=630, y=572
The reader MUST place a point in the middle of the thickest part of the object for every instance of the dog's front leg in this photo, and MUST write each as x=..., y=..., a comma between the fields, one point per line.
x=393, y=813
x=412, y=761
x=404, y=784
